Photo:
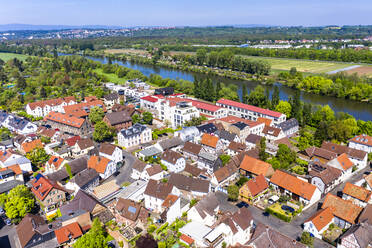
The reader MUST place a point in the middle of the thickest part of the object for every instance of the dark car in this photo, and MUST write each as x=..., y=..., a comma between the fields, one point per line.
x=242, y=204
x=266, y=214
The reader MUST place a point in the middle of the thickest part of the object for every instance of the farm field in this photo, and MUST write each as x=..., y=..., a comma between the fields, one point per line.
x=8, y=56
x=362, y=71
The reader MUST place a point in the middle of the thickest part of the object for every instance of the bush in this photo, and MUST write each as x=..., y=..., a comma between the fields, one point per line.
x=278, y=215
x=242, y=180
x=151, y=229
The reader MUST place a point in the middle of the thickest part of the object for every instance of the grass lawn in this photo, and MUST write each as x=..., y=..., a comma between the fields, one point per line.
x=111, y=77
x=277, y=207
x=8, y=56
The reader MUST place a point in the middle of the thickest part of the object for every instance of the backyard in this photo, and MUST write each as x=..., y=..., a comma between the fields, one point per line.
x=285, y=209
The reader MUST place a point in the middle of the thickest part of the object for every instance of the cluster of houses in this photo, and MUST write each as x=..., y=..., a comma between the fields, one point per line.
x=183, y=174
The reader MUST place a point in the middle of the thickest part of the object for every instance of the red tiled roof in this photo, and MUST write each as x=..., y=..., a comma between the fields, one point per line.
x=255, y=166
x=42, y=186
x=56, y=161
x=357, y=192
x=204, y=105
x=51, y=102
x=257, y=185
x=98, y=163
x=15, y=168
x=149, y=98
x=233, y=119
x=187, y=239
x=209, y=140
x=321, y=218
x=65, y=119
x=341, y=208
x=29, y=146
x=65, y=233
x=72, y=141
x=344, y=161
x=362, y=139
x=250, y=107
x=79, y=109
x=169, y=201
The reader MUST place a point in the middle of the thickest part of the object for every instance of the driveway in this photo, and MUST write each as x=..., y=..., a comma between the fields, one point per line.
x=8, y=236
x=126, y=170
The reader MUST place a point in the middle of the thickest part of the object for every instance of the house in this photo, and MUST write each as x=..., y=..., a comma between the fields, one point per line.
x=173, y=160
x=75, y=166
x=82, y=109
x=241, y=129
x=102, y=165
x=49, y=193
x=148, y=152
x=254, y=189
x=266, y=237
x=252, y=141
x=20, y=139
x=68, y=123
x=134, y=191
x=134, y=136
x=358, y=157
x=6, y=144
x=173, y=143
x=209, y=162
x=227, y=137
x=366, y=215
x=250, y=112
x=82, y=147
x=126, y=211
x=68, y=233
x=249, y=126
x=83, y=201
x=177, y=112
x=155, y=194
x=208, y=128
x=361, y=142
x=319, y=222
x=223, y=177
x=111, y=99
x=105, y=190
x=345, y=212
x=368, y=181
x=193, y=234
x=211, y=144
x=154, y=172
x=324, y=177
x=188, y=133
x=205, y=211
x=357, y=236
x=289, y=127
x=272, y=133
x=344, y=164
x=11, y=173
x=356, y=194
x=194, y=171
x=111, y=152
x=138, y=169
x=296, y=188
x=164, y=91
x=10, y=157
x=51, y=134
x=20, y=125
x=235, y=148
x=85, y=180
x=118, y=120
x=171, y=208
x=42, y=108
x=27, y=147
x=317, y=155
x=190, y=187
x=191, y=150
x=254, y=167
x=33, y=231
x=54, y=163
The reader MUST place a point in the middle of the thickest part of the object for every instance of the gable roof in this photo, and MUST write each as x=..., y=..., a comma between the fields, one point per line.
x=225, y=172
x=134, y=130
x=30, y=146
x=326, y=173
x=293, y=184
x=158, y=190
x=51, y=102
x=362, y=234
x=207, y=205
x=83, y=109
x=65, y=119
x=225, y=135
x=344, y=161
x=72, y=141
x=209, y=140
x=192, y=148
x=257, y=185
x=76, y=165
x=169, y=201
x=68, y=232
x=320, y=152
x=47, y=132
x=56, y=161
x=253, y=138
x=111, y=96
x=368, y=180
x=341, y=208
x=84, y=177
x=128, y=209
x=264, y=120
x=153, y=170
x=186, y=183
x=255, y=166
x=321, y=218
x=26, y=228
x=288, y=124
x=273, y=131
x=340, y=149
x=85, y=143
x=236, y=146
x=207, y=128
x=193, y=170
x=362, y=139
x=357, y=192
x=99, y=163
x=41, y=187
x=366, y=215
x=171, y=156
x=249, y=107
x=14, y=168
x=107, y=148
x=116, y=118
x=139, y=165
x=81, y=201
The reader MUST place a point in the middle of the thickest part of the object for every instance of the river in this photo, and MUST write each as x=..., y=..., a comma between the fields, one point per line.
x=359, y=110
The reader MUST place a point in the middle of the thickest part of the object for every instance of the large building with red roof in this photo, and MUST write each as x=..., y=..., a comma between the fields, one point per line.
x=361, y=142
x=42, y=108
x=68, y=123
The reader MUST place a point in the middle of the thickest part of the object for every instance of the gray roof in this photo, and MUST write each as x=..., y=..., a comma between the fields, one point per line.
x=20, y=160
x=362, y=233
x=76, y=166
x=150, y=151
x=111, y=97
x=17, y=122
x=170, y=143
x=85, y=177
x=81, y=201
x=225, y=135
x=128, y=191
x=5, y=187
x=186, y=183
x=208, y=156
x=134, y=130
x=288, y=124
x=116, y=118
x=253, y=138
x=240, y=125
x=3, y=116
x=207, y=128
x=207, y=205
x=7, y=143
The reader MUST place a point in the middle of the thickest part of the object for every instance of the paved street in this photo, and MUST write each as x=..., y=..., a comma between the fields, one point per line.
x=126, y=169
x=8, y=236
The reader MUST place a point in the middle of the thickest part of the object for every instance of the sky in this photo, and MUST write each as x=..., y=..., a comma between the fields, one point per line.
x=186, y=12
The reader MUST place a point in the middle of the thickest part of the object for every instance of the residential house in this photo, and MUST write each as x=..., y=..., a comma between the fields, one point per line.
x=345, y=212
x=126, y=211
x=208, y=128
x=317, y=155
x=272, y=134
x=174, y=143
x=205, y=211
x=54, y=163
x=111, y=99
x=250, y=126
x=10, y=157
x=227, y=137
x=357, y=236
x=194, y=171
x=27, y=147
x=102, y=165
x=135, y=191
x=319, y=222
x=250, y=112
x=118, y=120
x=254, y=167
x=75, y=166
x=361, y=142
x=368, y=181
x=82, y=147
x=171, y=208
x=6, y=144
x=252, y=141
x=85, y=180
x=11, y=173
x=68, y=123
x=155, y=194
x=357, y=194
x=191, y=150
x=49, y=193
x=20, y=139
x=82, y=109
x=190, y=187
x=296, y=188
x=105, y=190
x=111, y=152
x=324, y=177
x=177, y=112
x=134, y=136
x=254, y=189
x=358, y=157
x=154, y=172
x=241, y=129
x=223, y=177
x=235, y=148
x=188, y=134
x=68, y=233
x=209, y=162
x=149, y=152
x=51, y=134
x=211, y=144
x=344, y=164
x=138, y=169
x=366, y=215
x=18, y=125
x=42, y=108
x=194, y=233
x=173, y=160
x=289, y=127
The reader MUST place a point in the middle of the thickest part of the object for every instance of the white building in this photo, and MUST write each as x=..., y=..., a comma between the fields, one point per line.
x=361, y=142
x=134, y=136
x=173, y=160
x=9, y=158
x=155, y=194
x=103, y=166
x=319, y=222
x=17, y=124
x=111, y=152
x=42, y=108
x=177, y=113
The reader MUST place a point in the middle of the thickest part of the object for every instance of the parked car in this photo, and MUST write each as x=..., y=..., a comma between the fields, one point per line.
x=242, y=204
x=2, y=211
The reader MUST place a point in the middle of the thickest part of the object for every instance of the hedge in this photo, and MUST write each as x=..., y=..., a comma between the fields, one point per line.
x=278, y=215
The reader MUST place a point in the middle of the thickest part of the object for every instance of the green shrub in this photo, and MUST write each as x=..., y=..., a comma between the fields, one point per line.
x=278, y=215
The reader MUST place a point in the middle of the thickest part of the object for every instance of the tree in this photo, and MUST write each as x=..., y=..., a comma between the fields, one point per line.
x=201, y=56
x=96, y=114
x=43, y=93
x=19, y=201
x=218, y=90
x=307, y=239
x=225, y=158
x=293, y=71
x=257, y=97
x=95, y=238
x=147, y=118
x=284, y=107
x=195, y=121
x=136, y=118
x=21, y=82
x=38, y=157
x=244, y=94
x=102, y=132
x=262, y=150
x=275, y=98
x=233, y=192
x=285, y=156
x=296, y=106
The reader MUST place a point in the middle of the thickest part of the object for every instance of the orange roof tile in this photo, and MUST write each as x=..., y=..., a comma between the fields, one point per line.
x=80, y=109
x=187, y=239
x=357, y=192
x=65, y=233
x=56, y=161
x=15, y=168
x=41, y=186
x=257, y=185
x=65, y=119
x=29, y=146
x=264, y=120
x=344, y=161
x=255, y=166
x=233, y=119
x=51, y=102
x=369, y=180
x=341, y=208
x=363, y=139
x=169, y=201
x=99, y=163
x=209, y=140
x=293, y=184
x=321, y=218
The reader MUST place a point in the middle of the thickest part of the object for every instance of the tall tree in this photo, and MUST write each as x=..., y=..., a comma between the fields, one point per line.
x=218, y=90
x=262, y=151
x=244, y=94
x=275, y=98
x=96, y=114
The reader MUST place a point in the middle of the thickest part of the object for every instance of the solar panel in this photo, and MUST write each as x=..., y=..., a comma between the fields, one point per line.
x=55, y=160
x=132, y=209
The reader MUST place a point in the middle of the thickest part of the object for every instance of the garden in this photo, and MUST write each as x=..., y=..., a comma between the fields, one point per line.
x=285, y=209
x=332, y=233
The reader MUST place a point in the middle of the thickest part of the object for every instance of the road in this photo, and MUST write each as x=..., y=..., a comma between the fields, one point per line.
x=294, y=229
x=126, y=170
x=8, y=236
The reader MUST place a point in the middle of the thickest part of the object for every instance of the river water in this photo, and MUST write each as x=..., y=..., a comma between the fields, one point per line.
x=359, y=110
